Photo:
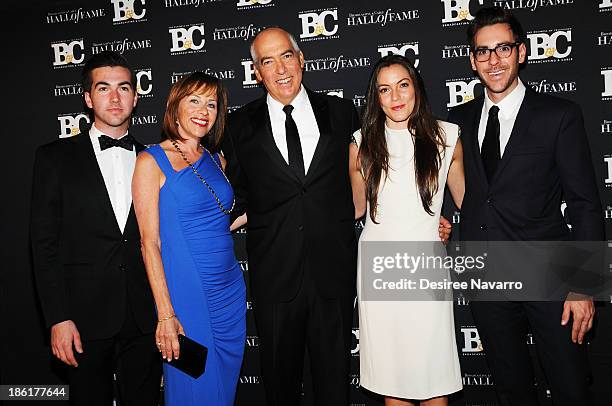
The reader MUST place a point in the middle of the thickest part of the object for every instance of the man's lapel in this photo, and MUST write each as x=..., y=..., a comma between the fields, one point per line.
x=474, y=122
x=90, y=171
x=521, y=124
x=263, y=130
x=321, y=112
x=131, y=223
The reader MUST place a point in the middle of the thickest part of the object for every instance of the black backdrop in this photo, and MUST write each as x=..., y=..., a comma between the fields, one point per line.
x=45, y=43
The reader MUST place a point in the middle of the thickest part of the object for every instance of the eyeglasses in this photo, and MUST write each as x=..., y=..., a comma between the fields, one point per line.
x=502, y=51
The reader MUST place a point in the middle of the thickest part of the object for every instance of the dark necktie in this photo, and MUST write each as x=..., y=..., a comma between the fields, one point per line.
x=490, y=151
x=106, y=142
x=294, y=148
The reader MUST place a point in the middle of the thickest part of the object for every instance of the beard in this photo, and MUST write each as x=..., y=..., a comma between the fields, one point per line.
x=503, y=85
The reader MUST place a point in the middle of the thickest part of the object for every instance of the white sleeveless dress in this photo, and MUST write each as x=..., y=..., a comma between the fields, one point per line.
x=407, y=348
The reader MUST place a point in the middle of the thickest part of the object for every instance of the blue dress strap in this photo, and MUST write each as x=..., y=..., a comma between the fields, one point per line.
x=216, y=158
x=161, y=158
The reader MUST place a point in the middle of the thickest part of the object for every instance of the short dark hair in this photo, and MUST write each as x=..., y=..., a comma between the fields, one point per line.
x=197, y=82
x=104, y=58
x=495, y=15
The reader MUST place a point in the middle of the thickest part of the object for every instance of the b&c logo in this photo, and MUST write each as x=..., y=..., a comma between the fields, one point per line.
x=471, y=340
x=543, y=46
x=187, y=38
x=246, y=3
x=410, y=50
x=70, y=124
x=460, y=91
x=456, y=11
x=70, y=53
x=605, y=4
x=144, y=83
x=250, y=79
x=607, y=88
x=125, y=10
x=315, y=24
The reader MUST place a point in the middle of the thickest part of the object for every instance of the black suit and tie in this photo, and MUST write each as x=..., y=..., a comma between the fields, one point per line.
x=91, y=272
x=301, y=245
x=517, y=197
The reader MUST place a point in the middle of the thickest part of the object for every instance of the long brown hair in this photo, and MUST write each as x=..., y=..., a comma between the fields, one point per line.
x=427, y=136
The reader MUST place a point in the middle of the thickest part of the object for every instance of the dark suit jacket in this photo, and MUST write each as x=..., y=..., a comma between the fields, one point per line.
x=295, y=227
x=547, y=159
x=85, y=268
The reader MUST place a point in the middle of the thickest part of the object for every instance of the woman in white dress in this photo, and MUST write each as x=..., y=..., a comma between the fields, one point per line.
x=401, y=161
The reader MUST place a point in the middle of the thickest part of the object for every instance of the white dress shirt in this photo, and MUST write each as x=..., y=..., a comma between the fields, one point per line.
x=304, y=118
x=117, y=167
x=508, y=110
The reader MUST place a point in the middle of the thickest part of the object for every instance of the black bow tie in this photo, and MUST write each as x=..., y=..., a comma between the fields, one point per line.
x=106, y=142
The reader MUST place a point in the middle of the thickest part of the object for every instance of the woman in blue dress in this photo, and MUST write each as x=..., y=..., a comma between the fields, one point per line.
x=182, y=201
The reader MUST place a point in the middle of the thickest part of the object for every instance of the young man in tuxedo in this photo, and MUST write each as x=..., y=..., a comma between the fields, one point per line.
x=523, y=152
x=288, y=163
x=89, y=271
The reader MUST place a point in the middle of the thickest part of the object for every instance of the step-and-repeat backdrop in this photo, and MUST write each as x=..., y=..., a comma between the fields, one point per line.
x=569, y=55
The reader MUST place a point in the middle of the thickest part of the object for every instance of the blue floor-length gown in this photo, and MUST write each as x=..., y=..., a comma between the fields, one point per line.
x=204, y=279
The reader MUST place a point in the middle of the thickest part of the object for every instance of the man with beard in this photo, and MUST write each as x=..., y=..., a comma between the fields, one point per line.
x=523, y=152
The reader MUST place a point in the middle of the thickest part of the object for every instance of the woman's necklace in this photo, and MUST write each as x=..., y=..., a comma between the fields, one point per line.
x=225, y=211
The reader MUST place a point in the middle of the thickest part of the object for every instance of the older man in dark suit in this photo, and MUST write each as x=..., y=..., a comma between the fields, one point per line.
x=288, y=162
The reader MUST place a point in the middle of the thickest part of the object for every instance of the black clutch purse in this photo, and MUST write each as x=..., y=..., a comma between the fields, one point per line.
x=192, y=358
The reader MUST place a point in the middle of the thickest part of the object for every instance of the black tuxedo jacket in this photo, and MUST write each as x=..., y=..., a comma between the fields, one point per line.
x=295, y=227
x=547, y=159
x=85, y=268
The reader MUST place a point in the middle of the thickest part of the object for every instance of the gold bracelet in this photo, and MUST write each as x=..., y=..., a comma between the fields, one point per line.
x=166, y=318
